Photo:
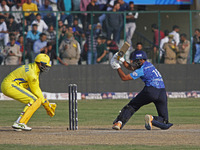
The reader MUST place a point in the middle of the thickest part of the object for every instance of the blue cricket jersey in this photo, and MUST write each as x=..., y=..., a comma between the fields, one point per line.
x=149, y=75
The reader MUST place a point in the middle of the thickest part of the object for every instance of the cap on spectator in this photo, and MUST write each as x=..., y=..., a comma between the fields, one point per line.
x=34, y=24
x=170, y=36
x=69, y=35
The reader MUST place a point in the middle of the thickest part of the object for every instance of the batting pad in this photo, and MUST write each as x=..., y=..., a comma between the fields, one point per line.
x=30, y=111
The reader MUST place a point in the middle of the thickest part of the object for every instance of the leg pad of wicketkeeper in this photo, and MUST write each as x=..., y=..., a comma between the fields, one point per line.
x=161, y=125
x=125, y=115
x=30, y=111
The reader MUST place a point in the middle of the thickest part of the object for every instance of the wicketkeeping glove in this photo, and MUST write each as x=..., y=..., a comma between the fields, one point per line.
x=50, y=108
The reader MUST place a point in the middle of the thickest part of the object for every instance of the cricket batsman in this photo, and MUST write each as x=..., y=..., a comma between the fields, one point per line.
x=15, y=86
x=154, y=91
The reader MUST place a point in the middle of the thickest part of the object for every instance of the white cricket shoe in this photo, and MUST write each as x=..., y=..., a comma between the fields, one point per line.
x=148, y=122
x=21, y=126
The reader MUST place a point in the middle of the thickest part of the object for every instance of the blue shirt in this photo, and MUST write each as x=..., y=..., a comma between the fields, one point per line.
x=43, y=8
x=38, y=45
x=32, y=36
x=149, y=75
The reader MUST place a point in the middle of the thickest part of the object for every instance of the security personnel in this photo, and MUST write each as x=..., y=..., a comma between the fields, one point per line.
x=15, y=86
x=154, y=91
x=170, y=51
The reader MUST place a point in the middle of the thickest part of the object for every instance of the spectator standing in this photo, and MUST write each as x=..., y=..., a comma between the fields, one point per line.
x=195, y=42
x=31, y=37
x=123, y=7
x=83, y=7
x=12, y=26
x=4, y=7
x=91, y=43
x=158, y=35
x=64, y=5
x=112, y=48
x=170, y=51
x=184, y=48
x=12, y=53
x=92, y=6
x=29, y=6
x=175, y=33
x=20, y=42
x=42, y=26
x=18, y=16
x=113, y=23
x=39, y=45
x=3, y=30
x=162, y=42
x=139, y=47
x=64, y=33
x=70, y=50
x=78, y=31
x=60, y=27
x=101, y=52
x=130, y=22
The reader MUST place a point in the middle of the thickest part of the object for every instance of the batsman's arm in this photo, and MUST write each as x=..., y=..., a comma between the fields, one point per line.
x=123, y=76
x=128, y=66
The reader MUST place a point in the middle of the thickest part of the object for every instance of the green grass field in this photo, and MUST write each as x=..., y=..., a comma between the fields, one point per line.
x=96, y=113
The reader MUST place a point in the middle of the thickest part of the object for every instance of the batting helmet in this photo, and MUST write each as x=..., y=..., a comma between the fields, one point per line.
x=140, y=55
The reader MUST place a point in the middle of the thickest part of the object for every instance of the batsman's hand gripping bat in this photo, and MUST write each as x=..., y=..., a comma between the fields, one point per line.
x=123, y=50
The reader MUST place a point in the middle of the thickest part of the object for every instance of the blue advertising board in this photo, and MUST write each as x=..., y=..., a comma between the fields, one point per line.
x=161, y=2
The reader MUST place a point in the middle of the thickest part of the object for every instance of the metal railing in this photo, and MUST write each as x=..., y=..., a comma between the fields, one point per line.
x=187, y=20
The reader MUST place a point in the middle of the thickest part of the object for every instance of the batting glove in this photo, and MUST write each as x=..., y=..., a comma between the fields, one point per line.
x=119, y=59
x=115, y=63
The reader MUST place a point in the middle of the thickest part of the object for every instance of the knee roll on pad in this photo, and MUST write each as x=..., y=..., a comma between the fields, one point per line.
x=163, y=126
x=30, y=111
x=125, y=115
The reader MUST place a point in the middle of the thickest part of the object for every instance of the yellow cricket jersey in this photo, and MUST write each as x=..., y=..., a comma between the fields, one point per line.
x=26, y=76
x=29, y=7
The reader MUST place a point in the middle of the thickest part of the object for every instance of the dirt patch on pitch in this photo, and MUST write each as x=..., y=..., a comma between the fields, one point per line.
x=131, y=135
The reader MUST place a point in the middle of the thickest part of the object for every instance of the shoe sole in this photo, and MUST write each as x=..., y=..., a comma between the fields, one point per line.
x=17, y=128
x=148, y=124
x=116, y=128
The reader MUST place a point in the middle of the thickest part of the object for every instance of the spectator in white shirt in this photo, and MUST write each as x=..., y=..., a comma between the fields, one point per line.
x=162, y=42
x=3, y=30
x=175, y=33
x=4, y=7
x=18, y=16
x=42, y=26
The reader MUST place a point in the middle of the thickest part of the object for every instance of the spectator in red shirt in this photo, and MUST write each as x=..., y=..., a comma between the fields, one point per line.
x=111, y=47
x=157, y=37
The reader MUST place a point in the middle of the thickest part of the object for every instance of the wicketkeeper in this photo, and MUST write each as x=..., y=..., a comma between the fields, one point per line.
x=15, y=86
x=154, y=91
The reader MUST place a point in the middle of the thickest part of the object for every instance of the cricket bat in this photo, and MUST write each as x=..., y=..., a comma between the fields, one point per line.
x=123, y=50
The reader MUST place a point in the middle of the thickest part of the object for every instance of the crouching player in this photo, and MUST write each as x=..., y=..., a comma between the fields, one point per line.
x=154, y=91
x=15, y=86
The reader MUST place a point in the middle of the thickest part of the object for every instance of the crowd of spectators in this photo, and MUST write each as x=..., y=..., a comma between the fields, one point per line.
x=70, y=39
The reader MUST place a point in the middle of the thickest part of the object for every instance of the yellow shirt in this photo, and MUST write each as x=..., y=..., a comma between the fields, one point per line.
x=27, y=76
x=29, y=7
